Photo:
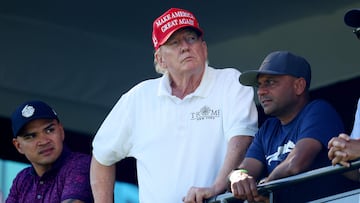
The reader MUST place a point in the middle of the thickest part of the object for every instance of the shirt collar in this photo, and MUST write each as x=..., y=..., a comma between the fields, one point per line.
x=203, y=90
x=57, y=164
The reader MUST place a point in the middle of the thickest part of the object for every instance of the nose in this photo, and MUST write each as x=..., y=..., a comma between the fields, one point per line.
x=42, y=139
x=184, y=44
x=262, y=90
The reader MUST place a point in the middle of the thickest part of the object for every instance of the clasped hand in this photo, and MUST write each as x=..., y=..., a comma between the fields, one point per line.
x=343, y=149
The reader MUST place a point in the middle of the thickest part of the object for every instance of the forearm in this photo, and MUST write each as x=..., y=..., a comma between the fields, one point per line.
x=281, y=171
x=236, y=151
x=298, y=160
x=102, y=180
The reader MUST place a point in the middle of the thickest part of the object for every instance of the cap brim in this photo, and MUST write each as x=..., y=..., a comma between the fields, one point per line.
x=352, y=18
x=20, y=128
x=199, y=31
x=250, y=78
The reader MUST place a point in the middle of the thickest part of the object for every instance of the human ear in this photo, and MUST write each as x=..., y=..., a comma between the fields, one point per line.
x=300, y=86
x=17, y=145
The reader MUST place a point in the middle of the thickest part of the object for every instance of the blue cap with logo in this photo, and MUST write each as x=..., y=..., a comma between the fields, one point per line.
x=30, y=111
x=279, y=63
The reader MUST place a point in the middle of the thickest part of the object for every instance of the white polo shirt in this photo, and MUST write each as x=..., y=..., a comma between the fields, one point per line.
x=178, y=143
x=355, y=134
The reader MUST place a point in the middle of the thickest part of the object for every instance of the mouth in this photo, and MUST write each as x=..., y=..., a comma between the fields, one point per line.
x=186, y=58
x=265, y=102
x=46, y=151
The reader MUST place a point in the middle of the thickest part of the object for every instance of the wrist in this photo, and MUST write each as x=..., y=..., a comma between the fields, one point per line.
x=236, y=174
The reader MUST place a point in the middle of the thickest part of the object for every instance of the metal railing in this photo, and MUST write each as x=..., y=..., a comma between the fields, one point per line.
x=269, y=187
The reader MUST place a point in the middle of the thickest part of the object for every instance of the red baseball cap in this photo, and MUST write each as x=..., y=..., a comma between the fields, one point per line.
x=171, y=21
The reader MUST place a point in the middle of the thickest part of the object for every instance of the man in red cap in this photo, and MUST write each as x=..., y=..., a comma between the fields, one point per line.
x=187, y=129
x=345, y=148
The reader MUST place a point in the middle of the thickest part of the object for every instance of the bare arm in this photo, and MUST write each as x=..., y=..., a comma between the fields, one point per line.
x=237, y=147
x=102, y=180
x=298, y=160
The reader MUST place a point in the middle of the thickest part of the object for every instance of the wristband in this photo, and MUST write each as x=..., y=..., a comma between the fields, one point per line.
x=241, y=170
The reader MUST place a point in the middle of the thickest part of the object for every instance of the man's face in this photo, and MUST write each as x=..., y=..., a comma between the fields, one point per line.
x=277, y=94
x=41, y=141
x=183, y=52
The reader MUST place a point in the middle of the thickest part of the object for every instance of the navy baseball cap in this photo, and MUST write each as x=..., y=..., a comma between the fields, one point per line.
x=279, y=63
x=30, y=111
x=352, y=18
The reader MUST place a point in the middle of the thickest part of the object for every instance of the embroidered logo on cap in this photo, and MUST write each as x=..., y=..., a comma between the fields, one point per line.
x=28, y=111
x=171, y=21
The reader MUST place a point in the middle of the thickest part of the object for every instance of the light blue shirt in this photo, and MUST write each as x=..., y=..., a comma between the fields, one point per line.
x=356, y=129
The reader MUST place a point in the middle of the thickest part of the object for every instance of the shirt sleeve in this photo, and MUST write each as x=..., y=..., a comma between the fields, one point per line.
x=77, y=179
x=17, y=187
x=240, y=110
x=112, y=140
x=262, y=141
x=13, y=194
x=356, y=129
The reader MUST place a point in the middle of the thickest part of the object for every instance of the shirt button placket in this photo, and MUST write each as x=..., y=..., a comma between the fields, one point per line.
x=39, y=191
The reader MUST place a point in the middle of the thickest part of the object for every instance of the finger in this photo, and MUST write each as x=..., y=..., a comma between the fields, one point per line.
x=250, y=190
x=190, y=197
x=254, y=190
x=345, y=163
x=340, y=157
x=260, y=198
x=235, y=190
x=331, y=153
x=340, y=154
x=238, y=191
x=344, y=136
x=199, y=198
x=339, y=143
x=335, y=160
x=330, y=143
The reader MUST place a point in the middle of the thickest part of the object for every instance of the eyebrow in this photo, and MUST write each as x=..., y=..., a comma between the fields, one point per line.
x=26, y=134
x=51, y=124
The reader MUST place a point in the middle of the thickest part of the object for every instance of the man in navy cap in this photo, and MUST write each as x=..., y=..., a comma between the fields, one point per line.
x=294, y=140
x=345, y=148
x=56, y=174
x=352, y=19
